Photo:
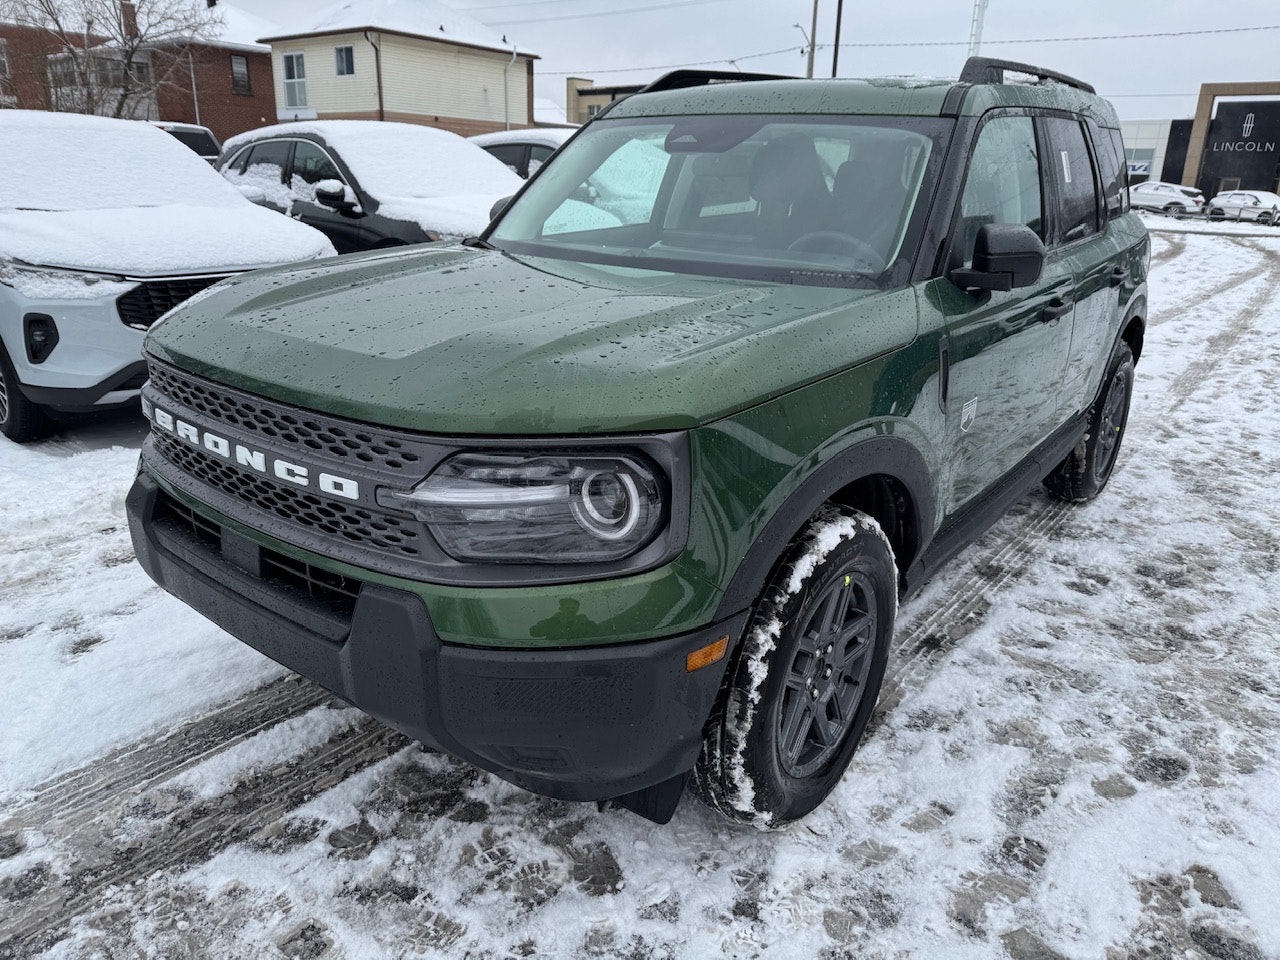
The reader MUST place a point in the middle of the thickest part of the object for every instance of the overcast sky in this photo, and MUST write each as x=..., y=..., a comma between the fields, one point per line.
x=632, y=41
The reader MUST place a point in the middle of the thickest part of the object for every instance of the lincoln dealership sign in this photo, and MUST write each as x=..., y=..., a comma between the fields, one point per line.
x=1243, y=147
x=1245, y=144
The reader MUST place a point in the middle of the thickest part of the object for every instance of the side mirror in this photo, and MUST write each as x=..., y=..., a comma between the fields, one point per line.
x=498, y=207
x=335, y=194
x=1006, y=256
x=252, y=194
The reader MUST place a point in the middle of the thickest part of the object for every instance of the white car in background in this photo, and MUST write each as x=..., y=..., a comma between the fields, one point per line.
x=524, y=151
x=105, y=225
x=1256, y=205
x=1171, y=198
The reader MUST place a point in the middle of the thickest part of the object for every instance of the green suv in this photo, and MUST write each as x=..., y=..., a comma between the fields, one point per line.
x=621, y=496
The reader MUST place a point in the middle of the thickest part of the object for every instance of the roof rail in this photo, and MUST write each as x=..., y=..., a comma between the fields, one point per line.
x=986, y=70
x=680, y=79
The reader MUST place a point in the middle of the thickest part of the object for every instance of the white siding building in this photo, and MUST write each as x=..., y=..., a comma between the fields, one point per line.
x=416, y=61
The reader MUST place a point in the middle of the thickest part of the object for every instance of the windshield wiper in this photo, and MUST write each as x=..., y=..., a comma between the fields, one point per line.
x=477, y=243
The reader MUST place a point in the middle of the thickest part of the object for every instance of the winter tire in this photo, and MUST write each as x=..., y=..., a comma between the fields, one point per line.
x=1087, y=468
x=20, y=420
x=798, y=695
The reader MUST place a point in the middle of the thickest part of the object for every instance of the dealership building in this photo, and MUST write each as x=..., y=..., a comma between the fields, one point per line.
x=1233, y=143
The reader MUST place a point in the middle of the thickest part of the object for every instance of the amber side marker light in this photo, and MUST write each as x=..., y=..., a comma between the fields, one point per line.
x=706, y=656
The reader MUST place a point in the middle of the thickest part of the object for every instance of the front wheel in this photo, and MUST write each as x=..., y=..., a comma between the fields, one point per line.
x=797, y=697
x=1087, y=468
x=20, y=420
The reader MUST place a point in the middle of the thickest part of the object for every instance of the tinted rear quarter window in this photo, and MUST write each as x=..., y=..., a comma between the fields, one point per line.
x=1111, y=167
x=1071, y=169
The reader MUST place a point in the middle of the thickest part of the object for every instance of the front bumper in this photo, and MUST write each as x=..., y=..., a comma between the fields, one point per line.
x=587, y=723
x=96, y=364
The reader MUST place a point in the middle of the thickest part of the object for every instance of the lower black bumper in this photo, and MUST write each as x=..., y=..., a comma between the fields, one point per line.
x=85, y=399
x=576, y=724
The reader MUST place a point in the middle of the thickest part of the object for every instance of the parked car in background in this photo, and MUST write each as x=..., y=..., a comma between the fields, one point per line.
x=1170, y=198
x=524, y=151
x=367, y=184
x=1256, y=205
x=200, y=139
x=104, y=226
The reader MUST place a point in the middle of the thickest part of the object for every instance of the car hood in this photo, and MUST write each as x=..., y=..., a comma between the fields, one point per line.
x=157, y=241
x=454, y=341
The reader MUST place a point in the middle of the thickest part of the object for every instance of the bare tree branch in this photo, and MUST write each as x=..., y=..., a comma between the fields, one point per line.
x=102, y=49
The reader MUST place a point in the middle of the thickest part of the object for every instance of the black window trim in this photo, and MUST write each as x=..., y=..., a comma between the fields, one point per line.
x=953, y=254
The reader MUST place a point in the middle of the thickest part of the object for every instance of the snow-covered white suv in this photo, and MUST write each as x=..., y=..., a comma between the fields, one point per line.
x=1256, y=205
x=104, y=226
x=1171, y=198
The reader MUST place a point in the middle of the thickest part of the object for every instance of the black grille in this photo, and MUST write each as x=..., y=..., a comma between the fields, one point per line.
x=335, y=591
x=369, y=528
x=345, y=441
x=149, y=301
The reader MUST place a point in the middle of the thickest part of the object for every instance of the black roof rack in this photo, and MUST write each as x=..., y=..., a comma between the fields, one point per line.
x=680, y=79
x=986, y=70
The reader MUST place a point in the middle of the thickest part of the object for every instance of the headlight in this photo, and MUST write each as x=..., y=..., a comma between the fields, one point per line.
x=538, y=507
x=55, y=283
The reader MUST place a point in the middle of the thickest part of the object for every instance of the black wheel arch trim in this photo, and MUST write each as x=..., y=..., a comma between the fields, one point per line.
x=878, y=456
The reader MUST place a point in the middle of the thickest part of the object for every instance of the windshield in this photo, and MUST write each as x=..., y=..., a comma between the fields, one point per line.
x=796, y=199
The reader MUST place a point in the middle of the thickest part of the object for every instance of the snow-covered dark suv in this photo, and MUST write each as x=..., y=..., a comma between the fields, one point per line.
x=626, y=490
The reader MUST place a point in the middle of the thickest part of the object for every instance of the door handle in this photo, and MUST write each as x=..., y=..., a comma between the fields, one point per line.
x=1118, y=276
x=1056, y=310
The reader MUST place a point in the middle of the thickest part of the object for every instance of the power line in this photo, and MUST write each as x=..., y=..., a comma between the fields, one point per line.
x=925, y=43
x=1112, y=36
x=668, y=66
x=605, y=13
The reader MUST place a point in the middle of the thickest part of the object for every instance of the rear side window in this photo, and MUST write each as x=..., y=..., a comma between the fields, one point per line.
x=1111, y=167
x=538, y=155
x=512, y=154
x=1003, y=184
x=1072, y=171
x=268, y=154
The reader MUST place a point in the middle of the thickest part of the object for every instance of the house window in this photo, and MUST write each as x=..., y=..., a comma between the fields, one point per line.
x=593, y=109
x=240, y=76
x=345, y=61
x=295, y=80
x=4, y=59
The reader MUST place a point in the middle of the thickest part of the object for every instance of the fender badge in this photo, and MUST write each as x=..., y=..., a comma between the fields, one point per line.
x=968, y=413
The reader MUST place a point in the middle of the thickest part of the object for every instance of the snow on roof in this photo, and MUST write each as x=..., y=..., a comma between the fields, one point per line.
x=242, y=29
x=548, y=111
x=429, y=19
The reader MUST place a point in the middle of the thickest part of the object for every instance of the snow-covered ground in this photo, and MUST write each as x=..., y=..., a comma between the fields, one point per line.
x=1078, y=753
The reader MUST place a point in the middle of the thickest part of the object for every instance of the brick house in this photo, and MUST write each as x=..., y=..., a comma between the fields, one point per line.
x=224, y=83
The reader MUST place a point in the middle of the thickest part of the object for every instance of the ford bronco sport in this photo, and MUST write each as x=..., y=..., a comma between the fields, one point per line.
x=622, y=495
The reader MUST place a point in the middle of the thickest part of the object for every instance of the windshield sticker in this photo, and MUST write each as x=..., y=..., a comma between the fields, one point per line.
x=1066, y=166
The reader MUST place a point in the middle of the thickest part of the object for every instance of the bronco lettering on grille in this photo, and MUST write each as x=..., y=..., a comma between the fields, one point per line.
x=258, y=461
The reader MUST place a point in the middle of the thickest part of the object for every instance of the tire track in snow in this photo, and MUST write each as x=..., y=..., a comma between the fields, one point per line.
x=80, y=794
x=1175, y=243
x=108, y=858
x=1219, y=344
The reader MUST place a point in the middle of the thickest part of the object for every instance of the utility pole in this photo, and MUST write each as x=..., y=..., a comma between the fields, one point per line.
x=975, y=28
x=813, y=39
x=835, y=55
